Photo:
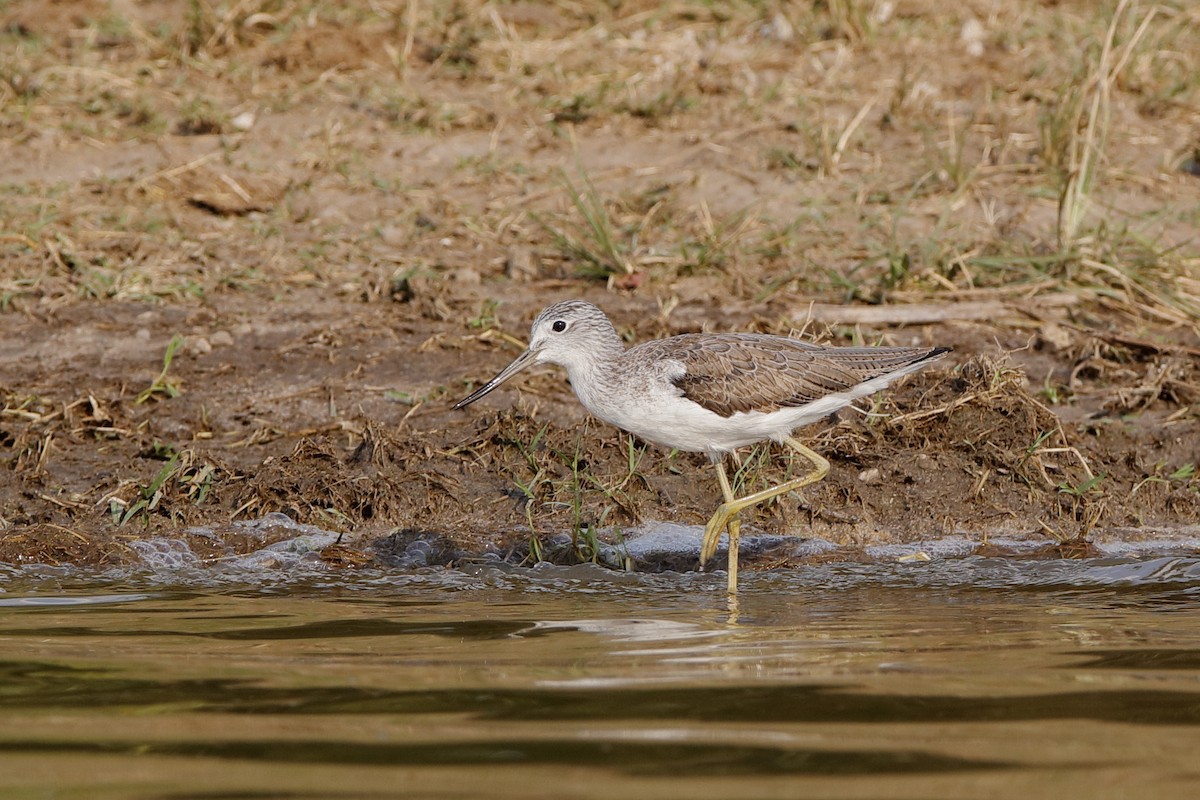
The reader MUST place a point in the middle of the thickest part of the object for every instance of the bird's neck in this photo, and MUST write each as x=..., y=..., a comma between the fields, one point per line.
x=593, y=372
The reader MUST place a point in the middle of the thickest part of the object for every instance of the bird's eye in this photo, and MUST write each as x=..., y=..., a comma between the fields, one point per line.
x=559, y=326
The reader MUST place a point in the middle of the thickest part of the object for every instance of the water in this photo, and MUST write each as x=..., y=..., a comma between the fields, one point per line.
x=962, y=677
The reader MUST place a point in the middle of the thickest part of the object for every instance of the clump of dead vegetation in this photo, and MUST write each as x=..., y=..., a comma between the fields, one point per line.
x=991, y=443
x=1010, y=443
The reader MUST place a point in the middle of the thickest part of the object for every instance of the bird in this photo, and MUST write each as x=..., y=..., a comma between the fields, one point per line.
x=709, y=392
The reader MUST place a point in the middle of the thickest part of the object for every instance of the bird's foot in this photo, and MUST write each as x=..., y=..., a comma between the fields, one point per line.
x=712, y=532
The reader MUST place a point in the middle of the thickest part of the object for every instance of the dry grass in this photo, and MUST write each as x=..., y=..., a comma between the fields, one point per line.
x=953, y=151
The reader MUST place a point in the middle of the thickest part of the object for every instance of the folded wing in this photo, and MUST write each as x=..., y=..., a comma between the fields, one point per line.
x=728, y=373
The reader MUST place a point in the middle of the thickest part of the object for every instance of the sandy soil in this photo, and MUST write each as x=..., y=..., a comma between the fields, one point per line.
x=346, y=215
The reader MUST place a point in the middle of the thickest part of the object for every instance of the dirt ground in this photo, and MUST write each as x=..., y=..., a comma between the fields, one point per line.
x=252, y=252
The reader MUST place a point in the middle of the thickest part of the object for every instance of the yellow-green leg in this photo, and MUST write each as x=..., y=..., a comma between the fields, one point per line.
x=735, y=529
x=726, y=514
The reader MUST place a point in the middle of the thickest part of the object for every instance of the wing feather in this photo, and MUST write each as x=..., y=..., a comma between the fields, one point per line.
x=732, y=372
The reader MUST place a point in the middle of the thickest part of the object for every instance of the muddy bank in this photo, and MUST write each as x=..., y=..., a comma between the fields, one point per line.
x=341, y=420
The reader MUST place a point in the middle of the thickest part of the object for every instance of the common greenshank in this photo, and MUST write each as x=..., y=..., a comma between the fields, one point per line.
x=709, y=392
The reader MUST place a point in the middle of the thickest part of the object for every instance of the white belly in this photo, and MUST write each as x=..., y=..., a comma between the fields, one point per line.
x=686, y=426
x=656, y=413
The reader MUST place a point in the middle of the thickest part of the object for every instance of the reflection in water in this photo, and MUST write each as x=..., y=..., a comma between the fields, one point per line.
x=958, y=678
x=68, y=688
x=638, y=758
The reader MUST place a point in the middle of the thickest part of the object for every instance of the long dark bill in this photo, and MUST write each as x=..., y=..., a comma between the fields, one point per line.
x=521, y=362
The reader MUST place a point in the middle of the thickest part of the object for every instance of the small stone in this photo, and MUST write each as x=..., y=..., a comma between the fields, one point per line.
x=393, y=235
x=221, y=339
x=972, y=36
x=243, y=121
x=871, y=477
x=198, y=345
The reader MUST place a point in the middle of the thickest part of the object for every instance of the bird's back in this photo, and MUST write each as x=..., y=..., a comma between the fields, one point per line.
x=728, y=373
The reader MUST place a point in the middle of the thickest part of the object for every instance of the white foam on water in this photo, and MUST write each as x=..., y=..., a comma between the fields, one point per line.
x=173, y=560
x=165, y=555
x=47, y=601
x=953, y=546
x=1128, y=558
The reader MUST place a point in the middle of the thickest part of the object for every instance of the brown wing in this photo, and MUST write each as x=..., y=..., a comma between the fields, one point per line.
x=728, y=373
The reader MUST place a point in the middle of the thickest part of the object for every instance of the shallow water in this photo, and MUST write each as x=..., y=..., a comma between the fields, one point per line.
x=961, y=677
